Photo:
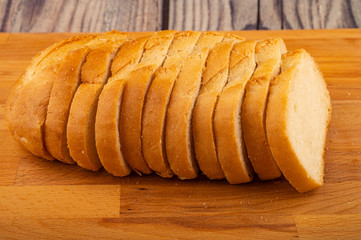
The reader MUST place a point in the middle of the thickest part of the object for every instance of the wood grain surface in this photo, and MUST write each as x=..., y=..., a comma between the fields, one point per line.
x=80, y=15
x=264, y=14
x=151, y=15
x=42, y=199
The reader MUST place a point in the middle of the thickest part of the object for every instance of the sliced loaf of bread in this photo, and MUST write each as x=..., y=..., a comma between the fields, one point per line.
x=30, y=95
x=172, y=101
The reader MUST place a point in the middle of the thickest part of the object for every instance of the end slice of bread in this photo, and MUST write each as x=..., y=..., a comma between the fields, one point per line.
x=62, y=93
x=298, y=116
x=30, y=95
x=231, y=150
x=268, y=58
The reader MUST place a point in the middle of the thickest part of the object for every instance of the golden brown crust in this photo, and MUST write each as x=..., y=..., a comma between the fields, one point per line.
x=276, y=122
x=268, y=57
x=183, y=43
x=227, y=125
x=178, y=137
x=110, y=100
x=95, y=71
x=96, y=68
x=30, y=95
x=208, y=40
x=155, y=106
x=156, y=48
x=61, y=97
x=230, y=37
x=128, y=56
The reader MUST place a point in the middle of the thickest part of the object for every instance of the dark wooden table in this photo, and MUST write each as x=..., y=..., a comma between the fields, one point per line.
x=151, y=15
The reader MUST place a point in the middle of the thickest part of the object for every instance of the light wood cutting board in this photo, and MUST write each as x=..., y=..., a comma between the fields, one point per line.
x=42, y=199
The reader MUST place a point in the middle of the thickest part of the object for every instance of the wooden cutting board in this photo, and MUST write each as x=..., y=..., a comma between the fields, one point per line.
x=42, y=199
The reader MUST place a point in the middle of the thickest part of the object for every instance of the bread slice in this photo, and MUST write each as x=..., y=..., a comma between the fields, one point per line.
x=65, y=85
x=81, y=122
x=155, y=106
x=136, y=89
x=298, y=116
x=108, y=112
x=214, y=79
x=30, y=95
x=268, y=58
x=178, y=133
x=231, y=151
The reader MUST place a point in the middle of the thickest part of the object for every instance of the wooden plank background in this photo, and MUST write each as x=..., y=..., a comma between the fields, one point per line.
x=152, y=15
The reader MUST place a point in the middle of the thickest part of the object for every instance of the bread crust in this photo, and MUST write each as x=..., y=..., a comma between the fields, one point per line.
x=276, y=122
x=231, y=151
x=61, y=96
x=268, y=57
x=108, y=113
x=155, y=106
x=94, y=74
x=127, y=58
x=30, y=95
x=178, y=136
x=137, y=86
